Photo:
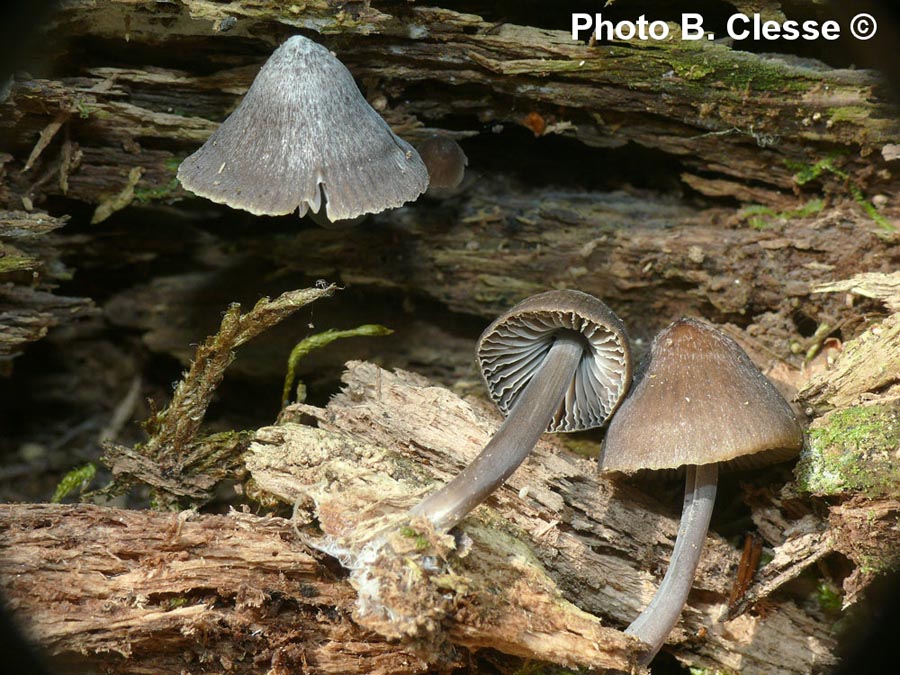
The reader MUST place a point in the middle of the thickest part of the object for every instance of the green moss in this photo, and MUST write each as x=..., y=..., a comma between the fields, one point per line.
x=147, y=195
x=692, y=71
x=739, y=72
x=875, y=564
x=163, y=192
x=317, y=341
x=215, y=451
x=804, y=174
x=853, y=450
x=12, y=260
x=848, y=113
x=869, y=208
x=760, y=217
x=84, y=110
x=173, y=163
x=420, y=540
x=175, y=602
x=807, y=173
x=76, y=479
x=829, y=597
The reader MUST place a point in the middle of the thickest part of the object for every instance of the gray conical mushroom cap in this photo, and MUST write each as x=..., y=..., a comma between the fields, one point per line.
x=700, y=400
x=302, y=124
x=512, y=347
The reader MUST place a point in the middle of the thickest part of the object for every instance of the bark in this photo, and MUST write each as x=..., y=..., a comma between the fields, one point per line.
x=29, y=269
x=699, y=102
x=148, y=592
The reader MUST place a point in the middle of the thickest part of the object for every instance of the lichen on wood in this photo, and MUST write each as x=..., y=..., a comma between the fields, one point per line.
x=854, y=451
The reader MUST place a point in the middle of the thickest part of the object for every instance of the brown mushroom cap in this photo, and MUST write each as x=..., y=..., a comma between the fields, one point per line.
x=445, y=160
x=512, y=348
x=700, y=400
x=302, y=129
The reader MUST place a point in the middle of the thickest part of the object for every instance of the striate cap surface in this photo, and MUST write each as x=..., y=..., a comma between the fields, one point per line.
x=304, y=129
x=700, y=400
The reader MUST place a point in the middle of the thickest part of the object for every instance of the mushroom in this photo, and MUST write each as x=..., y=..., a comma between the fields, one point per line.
x=304, y=134
x=558, y=361
x=446, y=162
x=700, y=402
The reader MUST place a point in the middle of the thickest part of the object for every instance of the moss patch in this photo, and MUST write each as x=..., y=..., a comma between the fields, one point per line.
x=854, y=450
x=76, y=479
x=760, y=217
x=157, y=194
x=13, y=260
x=828, y=166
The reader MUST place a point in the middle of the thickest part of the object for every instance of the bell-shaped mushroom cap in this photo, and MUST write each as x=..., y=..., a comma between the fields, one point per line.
x=304, y=124
x=445, y=160
x=700, y=400
x=514, y=345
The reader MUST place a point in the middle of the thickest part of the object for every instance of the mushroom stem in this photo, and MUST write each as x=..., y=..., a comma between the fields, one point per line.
x=514, y=440
x=656, y=622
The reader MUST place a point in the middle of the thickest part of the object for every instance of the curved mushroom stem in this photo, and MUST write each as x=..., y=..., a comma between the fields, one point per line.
x=656, y=622
x=513, y=441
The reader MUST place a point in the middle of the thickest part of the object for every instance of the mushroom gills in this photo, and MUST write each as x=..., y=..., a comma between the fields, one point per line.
x=319, y=217
x=539, y=361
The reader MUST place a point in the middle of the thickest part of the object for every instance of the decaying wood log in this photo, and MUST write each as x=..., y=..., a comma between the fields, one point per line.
x=174, y=577
x=699, y=102
x=29, y=270
x=602, y=543
x=149, y=592
x=650, y=259
x=666, y=178
x=568, y=547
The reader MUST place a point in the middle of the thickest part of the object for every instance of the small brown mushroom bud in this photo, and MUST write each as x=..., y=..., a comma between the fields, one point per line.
x=700, y=402
x=445, y=160
x=558, y=361
x=304, y=134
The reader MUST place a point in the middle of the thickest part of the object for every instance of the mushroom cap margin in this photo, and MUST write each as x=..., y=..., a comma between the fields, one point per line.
x=515, y=344
x=700, y=400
